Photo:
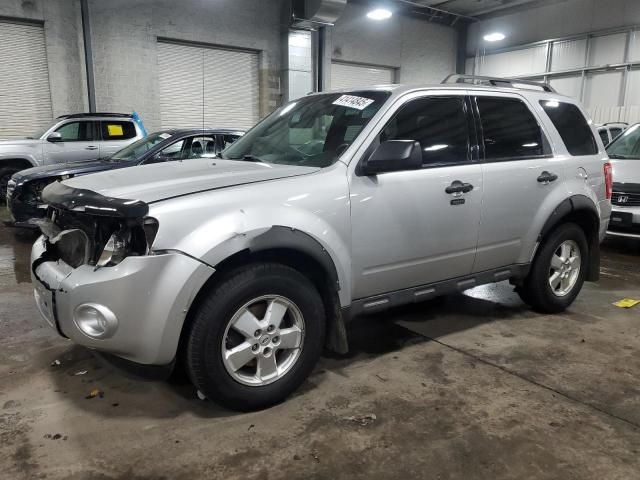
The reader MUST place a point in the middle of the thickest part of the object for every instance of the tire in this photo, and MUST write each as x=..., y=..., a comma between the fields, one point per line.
x=218, y=319
x=537, y=290
x=5, y=175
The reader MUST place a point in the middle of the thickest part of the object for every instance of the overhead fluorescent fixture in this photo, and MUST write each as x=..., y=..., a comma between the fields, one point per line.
x=379, y=14
x=494, y=37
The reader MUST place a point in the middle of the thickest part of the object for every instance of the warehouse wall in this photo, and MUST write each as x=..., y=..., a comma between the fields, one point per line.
x=555, y=20
x=424, y=52
x=124, y=45
x=63, y=40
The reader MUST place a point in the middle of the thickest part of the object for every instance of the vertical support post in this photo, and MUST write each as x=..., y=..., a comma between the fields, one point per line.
x=324, y=50
x=88, y=54
x=461, y=56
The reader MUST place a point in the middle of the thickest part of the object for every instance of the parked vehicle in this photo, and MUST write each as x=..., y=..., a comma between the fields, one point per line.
x=244, y=268
x=25, y=187
x=625, y=159
x=609, y=131
x=70, y=138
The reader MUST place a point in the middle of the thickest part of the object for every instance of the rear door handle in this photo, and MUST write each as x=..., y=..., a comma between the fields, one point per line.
x=547, y=177
x=458, y=187
x=91, y=147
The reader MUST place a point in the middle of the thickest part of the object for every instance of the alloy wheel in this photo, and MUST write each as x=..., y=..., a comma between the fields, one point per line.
x=263, y=340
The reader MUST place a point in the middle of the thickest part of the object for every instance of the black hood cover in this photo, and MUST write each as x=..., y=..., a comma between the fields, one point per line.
x=62, y=196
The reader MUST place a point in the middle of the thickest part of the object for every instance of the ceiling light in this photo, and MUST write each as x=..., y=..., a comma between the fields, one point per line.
x=379, y=14
x=494, y=37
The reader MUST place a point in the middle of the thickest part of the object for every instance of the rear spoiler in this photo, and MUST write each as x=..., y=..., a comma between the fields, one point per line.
x=64, y=197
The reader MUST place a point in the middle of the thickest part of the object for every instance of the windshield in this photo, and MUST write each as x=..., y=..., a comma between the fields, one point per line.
x=626, y=145
x=312, y=131
x=43, y=130
x=133, y=151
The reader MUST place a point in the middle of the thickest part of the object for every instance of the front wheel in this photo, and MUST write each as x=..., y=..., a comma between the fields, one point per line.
x=558, y=271
x=256, y=337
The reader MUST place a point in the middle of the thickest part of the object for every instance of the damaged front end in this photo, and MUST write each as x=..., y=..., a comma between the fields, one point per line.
x=83, y=227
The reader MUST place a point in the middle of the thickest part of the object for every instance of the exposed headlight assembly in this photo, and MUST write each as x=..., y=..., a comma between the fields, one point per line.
x=128, y=241
x=116, y=248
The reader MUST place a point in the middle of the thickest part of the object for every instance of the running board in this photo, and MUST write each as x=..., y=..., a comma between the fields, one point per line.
x=421, y=293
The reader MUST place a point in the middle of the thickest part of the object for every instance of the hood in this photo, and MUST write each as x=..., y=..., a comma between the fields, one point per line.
x=151, y=183
x=70, y=169
x=626, y=171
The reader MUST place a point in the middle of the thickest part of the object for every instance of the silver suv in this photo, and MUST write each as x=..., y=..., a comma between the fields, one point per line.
x=69, y=138
x=243, y=267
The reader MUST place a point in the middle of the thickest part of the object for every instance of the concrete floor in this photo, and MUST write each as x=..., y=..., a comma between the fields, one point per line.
x=470, y=386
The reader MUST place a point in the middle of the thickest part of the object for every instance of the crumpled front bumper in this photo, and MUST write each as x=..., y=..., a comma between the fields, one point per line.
x=149, y=295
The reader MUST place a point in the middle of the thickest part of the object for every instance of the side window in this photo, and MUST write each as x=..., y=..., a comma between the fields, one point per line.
x=509, y=129
x=201, y=147
x=226, y=140
x=615, y=131
x=84, y=131
x=604, y=136
x=172, y=152
x=572, y=127
x=438, y=123
x=117, y=130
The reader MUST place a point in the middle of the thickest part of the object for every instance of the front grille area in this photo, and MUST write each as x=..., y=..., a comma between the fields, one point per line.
x=624, y=199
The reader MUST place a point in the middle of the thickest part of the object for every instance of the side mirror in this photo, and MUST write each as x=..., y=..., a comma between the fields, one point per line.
x=54, y=137
x=393, y=156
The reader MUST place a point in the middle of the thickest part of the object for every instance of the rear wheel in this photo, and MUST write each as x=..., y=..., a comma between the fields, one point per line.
x=256, y=337
x=558, y=271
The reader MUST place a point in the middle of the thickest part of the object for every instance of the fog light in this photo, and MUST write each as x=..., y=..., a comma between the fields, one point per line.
x=95, y=321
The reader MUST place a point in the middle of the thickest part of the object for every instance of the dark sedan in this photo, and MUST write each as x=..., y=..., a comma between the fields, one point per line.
x=25, y=187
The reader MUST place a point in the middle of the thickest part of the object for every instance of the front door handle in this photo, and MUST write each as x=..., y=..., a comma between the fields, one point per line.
x=547, y=177
x=458, y=187
x=91, y=147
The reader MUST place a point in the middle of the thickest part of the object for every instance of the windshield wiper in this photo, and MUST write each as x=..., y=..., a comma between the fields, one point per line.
x=619, y=157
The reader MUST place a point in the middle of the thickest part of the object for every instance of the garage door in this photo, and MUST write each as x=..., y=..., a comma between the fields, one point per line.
x=207, y=87
x=348, y=75
x=25, y=99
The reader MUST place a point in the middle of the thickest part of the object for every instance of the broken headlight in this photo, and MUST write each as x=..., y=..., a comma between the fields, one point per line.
x=128, y=241
x=116, y=248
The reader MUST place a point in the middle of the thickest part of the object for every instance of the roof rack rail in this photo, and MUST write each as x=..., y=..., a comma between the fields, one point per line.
x=615, y=123
x=497, y=82
x=96, y=114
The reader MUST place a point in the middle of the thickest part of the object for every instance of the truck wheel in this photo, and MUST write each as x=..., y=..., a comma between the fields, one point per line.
x=256, y=336
x=5, y=176
x=558, y=270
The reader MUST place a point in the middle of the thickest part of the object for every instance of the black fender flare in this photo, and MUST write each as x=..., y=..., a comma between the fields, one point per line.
x=571, y=205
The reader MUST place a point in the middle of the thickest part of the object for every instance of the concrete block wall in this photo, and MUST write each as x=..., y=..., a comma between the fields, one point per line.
x=424, y=52
x=124, y=36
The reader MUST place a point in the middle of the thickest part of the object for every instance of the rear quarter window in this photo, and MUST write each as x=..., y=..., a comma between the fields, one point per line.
x=572, y=127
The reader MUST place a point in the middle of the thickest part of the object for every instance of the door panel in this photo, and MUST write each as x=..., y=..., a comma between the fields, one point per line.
x=79, y=143
x=406, y=229
x=406, y=232
x=517, y=153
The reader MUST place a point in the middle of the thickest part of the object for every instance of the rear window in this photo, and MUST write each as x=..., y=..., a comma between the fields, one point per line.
x=510, y=130
x=117, y=130
x=572, y=127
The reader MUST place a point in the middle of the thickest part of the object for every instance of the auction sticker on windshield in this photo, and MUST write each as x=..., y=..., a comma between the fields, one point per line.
x=353, y=101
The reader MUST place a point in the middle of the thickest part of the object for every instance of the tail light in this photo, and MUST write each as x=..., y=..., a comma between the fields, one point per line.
x=608, y=181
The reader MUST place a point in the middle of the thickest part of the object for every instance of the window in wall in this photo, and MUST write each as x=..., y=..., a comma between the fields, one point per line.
x=438, y=123
x=117, y=130
x=78, y=131
x=510, y=130
x=572, y=127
